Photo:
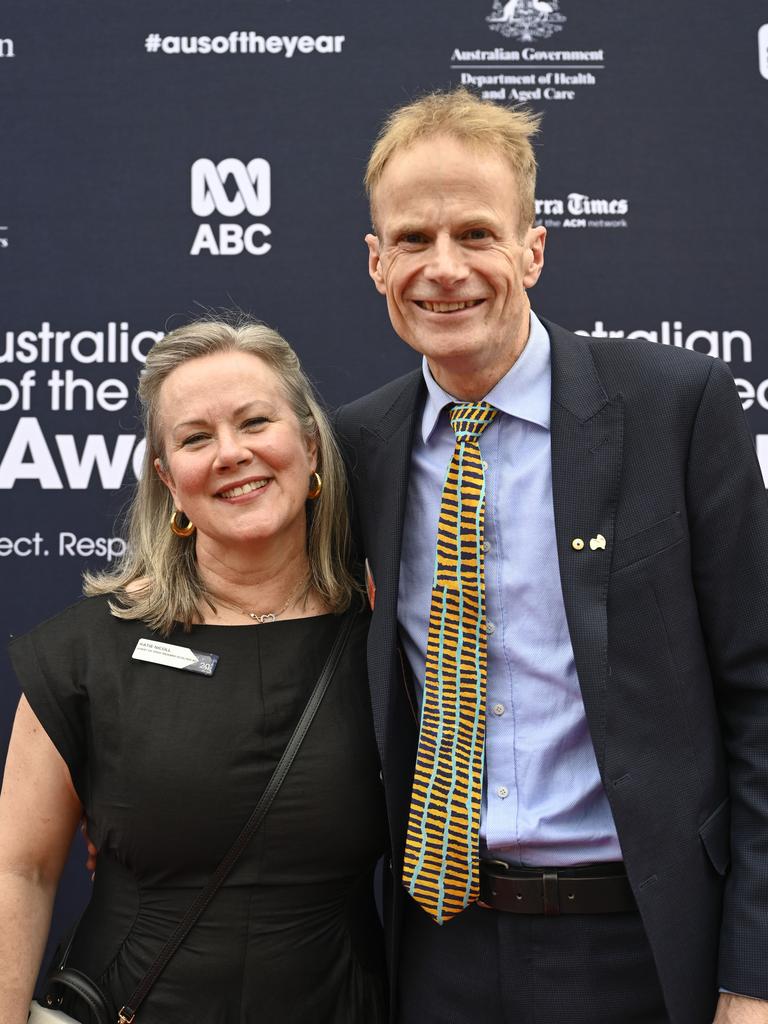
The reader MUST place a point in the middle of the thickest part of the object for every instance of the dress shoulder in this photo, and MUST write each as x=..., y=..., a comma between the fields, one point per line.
x=52, y=663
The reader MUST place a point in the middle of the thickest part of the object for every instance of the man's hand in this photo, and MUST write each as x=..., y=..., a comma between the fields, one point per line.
x=740, y=1010
x=93, y=853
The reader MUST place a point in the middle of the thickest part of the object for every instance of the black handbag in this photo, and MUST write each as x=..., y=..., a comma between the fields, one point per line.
x=64, y=977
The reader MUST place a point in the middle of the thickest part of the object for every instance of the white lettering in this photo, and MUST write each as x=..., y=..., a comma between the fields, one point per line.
x=138, y=458
x=746, y=346
x=23, y=389
x=21, y=546
x=718, y=343
x=27, y=457
x=204, y=240
x=232, y=240
x=746, y=392
x=761, y=443
x=79, y=468
x=84, y=547
x=250, y=231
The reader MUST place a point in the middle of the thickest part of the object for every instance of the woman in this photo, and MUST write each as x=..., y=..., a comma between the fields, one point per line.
x=237, y=541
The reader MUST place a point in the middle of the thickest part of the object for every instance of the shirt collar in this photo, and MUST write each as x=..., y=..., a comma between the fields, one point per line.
x=524, y=390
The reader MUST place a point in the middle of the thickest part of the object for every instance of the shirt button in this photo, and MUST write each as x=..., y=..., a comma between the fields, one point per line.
x=498, y=709
x=484, y=465
x=486, y=546
x=490, y=628
x=502, y=792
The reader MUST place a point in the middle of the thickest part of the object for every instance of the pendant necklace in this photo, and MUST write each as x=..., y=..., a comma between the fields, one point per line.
x=264, y=617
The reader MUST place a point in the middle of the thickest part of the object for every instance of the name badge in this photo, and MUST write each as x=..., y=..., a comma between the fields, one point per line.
x=183, y=658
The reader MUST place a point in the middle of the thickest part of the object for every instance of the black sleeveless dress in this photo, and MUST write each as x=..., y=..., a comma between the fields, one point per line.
x=169, y=765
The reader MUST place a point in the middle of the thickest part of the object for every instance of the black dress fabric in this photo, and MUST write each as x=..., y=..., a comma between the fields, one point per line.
x=169, y=766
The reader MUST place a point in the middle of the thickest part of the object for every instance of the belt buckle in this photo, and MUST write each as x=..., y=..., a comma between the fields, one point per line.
x=495, y=864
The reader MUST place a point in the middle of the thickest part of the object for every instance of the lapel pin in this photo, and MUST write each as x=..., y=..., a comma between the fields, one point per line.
x=577, y=544
x=597, y=542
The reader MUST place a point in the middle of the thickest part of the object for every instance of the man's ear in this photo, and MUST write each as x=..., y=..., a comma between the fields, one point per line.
x=166, y=477
x=374, y=263
x=535, y=240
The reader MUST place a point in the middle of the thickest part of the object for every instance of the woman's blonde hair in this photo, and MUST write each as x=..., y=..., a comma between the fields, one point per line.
x=157, y=579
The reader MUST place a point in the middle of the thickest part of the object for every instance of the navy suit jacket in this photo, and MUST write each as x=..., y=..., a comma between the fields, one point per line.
x=669, y=631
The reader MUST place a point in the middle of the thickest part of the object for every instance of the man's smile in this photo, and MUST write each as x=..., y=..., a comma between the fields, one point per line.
x=447, y=307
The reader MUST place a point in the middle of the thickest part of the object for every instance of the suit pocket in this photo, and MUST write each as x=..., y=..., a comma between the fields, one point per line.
x=716, y=836
x=648, y=541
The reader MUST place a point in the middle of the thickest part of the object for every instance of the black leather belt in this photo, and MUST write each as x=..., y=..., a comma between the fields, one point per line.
x=595, y=889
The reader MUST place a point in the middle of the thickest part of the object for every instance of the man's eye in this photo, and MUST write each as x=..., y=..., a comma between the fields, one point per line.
x=477, y=234
x=414, y=238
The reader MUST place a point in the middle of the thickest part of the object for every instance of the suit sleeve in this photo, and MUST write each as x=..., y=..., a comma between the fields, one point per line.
x=728, y=516
x=349, y=457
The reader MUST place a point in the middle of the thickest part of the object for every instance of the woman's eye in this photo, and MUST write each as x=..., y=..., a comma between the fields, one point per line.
x=193, y=439
x=256, y=421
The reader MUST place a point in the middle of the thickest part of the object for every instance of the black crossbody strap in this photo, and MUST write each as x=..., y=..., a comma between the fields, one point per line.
x=128, y=1012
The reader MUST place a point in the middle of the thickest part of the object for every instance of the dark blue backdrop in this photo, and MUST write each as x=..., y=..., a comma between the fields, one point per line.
x=652, y=185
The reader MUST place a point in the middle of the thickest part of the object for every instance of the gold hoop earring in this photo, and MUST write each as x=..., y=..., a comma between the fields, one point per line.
x=181, y=531
x=316, y=487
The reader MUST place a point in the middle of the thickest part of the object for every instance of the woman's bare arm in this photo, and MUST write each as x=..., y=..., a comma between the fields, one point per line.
x=39, y=812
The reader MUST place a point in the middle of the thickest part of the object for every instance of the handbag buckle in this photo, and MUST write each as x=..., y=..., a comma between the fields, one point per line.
x=125, y=1015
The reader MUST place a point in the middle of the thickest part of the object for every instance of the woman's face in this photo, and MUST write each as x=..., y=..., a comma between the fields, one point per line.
x=236, y=460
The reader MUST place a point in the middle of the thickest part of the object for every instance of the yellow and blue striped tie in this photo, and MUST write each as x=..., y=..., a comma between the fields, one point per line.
x=441, y=866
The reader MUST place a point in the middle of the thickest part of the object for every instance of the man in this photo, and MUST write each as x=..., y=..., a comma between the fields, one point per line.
x=566, y=546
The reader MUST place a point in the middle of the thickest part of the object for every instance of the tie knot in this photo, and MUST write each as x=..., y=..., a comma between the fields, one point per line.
x=469, y=419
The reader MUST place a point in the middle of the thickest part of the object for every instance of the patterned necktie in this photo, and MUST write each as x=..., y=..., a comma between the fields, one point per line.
x=441, y=867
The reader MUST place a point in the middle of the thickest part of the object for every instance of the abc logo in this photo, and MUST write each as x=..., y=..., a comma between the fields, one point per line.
x=231, y=188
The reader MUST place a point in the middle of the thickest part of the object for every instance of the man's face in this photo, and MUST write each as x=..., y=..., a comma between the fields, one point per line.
x=452, y=261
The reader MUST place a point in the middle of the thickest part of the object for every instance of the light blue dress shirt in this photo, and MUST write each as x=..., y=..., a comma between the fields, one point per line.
x=543, y=801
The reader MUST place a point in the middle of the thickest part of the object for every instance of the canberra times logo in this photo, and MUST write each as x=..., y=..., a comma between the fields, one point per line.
x=526, y=19
x=231, y=189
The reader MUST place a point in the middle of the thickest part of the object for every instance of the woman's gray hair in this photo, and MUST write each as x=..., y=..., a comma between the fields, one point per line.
x=157, y=579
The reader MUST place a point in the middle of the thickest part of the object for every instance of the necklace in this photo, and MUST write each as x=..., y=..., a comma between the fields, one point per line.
x=264, y=617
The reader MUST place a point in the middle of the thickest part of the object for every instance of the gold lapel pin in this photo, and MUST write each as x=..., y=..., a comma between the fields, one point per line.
x=577, y=544
x=597, y=542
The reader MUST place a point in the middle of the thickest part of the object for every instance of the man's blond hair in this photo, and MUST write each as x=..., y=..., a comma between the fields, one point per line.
x=460, y=115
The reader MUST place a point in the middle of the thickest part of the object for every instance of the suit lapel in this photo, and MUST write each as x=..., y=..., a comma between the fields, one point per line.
x=381, y=492
x=587, y=435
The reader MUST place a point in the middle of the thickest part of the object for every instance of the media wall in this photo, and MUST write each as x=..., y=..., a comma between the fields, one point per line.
x=160, y=161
